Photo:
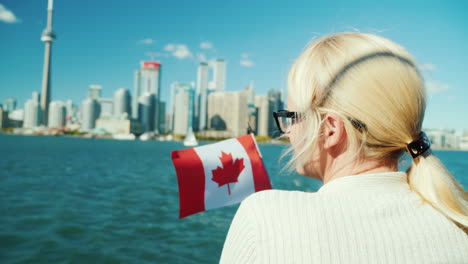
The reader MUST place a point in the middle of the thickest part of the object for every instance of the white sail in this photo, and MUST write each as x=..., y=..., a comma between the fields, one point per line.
x=190, y=140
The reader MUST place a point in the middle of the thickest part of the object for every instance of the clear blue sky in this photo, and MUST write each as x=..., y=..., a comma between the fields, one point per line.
x=102, y=42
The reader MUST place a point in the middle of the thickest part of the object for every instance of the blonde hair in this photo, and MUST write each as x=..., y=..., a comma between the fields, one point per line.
x=370, y=80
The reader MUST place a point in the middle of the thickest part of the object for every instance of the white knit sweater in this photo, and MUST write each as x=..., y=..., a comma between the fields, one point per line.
x=372, y=218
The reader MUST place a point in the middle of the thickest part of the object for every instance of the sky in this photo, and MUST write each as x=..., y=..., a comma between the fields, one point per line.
x=102, y=42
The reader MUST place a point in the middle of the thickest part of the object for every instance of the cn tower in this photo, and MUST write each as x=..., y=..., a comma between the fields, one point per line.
x=48, y=37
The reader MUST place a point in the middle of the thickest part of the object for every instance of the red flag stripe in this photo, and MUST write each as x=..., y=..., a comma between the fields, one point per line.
x=191, y=180
x=260, y=176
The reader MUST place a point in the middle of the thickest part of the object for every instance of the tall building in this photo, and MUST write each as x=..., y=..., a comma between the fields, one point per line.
x=148, y=81
x=48, y=36
x=183, y=113
x=3, y=118
x=202, y=92
x=162, y=118
x=234, y=118
x=90, y=111
x=250, y=92
x=70, y=116
x=167, y=124
x=56, y=114
x=263, y=114
x=219, y=75
x=275, y=103
x=32, y=112
x=122, y=102
x=106, y=106
x=175, y=87
x=9, y=104
x=94, y=91
x=36, y=97
x=146, y=105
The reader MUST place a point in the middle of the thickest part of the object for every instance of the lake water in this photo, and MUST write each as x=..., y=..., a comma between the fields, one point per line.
x=76, y=200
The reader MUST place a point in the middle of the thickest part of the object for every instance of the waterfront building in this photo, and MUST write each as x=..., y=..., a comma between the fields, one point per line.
x=162, y=118
x=275, y=103
x=202, y=94
x=228, y=111
x=183, y=112
x=94, y=91
x=174, y=106
x=3, y=118
x=252, y=121
x=147, y=81
x=106, y=106
x=90, y=111
x=71, y=113
x=146, y=105
x=122, y=102
x=118, y=125
x=36, y=97
x=167, y=124
x=263, y=114
x=447, y=139
x=219, y=75
x=56, y=114
x=9, y=104
x=175, y=86
x=464, y=141
x=31, y=114
x=15, y=118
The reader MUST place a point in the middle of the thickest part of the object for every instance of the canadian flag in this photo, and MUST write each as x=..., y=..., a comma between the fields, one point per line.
x=219, y=174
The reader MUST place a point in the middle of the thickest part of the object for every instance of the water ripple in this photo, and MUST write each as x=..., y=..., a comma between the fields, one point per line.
x=74, y=200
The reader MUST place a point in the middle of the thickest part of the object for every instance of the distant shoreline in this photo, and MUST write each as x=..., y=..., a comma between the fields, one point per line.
x=267, y=142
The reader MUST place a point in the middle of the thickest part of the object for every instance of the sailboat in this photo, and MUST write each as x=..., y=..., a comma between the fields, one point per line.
x=190, y=140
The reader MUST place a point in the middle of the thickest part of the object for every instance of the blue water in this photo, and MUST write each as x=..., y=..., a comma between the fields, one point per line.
x=76, y=200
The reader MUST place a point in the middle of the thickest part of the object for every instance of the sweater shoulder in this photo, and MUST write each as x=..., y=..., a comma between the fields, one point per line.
x=276, y=199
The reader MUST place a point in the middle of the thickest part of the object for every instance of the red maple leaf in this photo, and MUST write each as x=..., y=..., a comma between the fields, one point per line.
x=229, y=172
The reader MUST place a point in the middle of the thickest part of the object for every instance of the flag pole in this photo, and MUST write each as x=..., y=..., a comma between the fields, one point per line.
x=249, y=128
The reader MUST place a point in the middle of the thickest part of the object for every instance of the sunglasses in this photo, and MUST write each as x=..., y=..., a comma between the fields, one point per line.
x=285, y=119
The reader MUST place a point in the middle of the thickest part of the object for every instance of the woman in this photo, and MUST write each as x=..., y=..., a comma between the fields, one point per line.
x=356, y=104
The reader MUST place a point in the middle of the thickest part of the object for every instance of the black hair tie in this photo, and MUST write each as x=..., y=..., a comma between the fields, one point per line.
x=419, y=146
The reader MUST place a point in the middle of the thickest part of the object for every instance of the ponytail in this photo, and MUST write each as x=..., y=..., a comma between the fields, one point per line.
x=429, y=178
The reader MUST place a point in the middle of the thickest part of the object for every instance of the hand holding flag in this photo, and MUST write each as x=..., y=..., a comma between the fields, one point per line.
x=219, y=174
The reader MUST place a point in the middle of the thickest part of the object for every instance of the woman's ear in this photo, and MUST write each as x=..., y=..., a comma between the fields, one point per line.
x=334, y=132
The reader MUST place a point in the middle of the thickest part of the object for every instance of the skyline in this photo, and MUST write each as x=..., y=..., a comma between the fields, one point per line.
x=258, y=42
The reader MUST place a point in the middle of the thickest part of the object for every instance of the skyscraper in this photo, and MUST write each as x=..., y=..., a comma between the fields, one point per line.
x=234, y=118
x=90, y=110
x=263, y=114
x=148, y=81
x=106, y=106
x=70, y=112
x=32, y=112
x=183, y=109
x=146, y=105
x=3, y=118
x=48, y=37
x=219, y=75
x=94, y=91
x=56, y=114
x=162, y=118
x=9, y=104
x=202, y=92
x=122, y=103
x=175, y=86
x=275, y=103
x=36, y=97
